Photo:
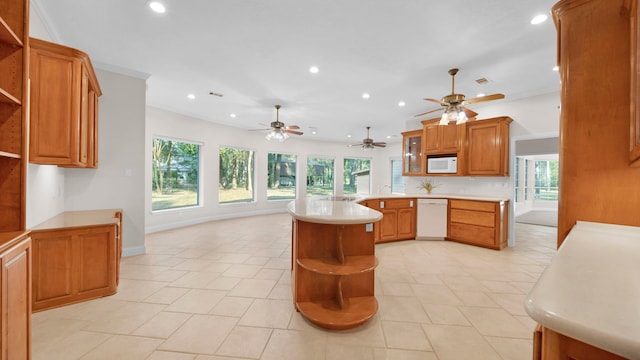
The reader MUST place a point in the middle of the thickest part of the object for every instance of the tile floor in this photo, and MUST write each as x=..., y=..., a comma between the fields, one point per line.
x=222, y=290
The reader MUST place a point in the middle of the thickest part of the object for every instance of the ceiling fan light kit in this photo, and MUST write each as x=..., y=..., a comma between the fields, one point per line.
x=278, y=131
x=454, y=109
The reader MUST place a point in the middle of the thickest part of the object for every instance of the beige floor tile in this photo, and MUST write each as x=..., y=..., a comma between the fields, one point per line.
x=435, y=294
x=123, y=320
x=513, y=303
x=255, y=288
x=397, y=289
x=341, y=352
x=279, y=263
x=501, y=287
x=170, y=355
x=445, y=315
x=136, y=290
x=197, y=301
x=257, y=260
x=402, y=308
x=231, y=306
x=242, y=271
x=407, y=336
x=201, y=334
x=495, y=322
x=476, y=298
x=270, y=274
x=123, y=348
x=282, y=292
x=194, y=280
x=64, y=343
x=395, y=354
x=234, y=258
x=459, y=342
x=368, y=334
x=162, y=325
x=512, y=349
x=223, y=283
x=295, y=345
x=463, y=283
x=166, y=295
x=268, y=313
x=245, y=342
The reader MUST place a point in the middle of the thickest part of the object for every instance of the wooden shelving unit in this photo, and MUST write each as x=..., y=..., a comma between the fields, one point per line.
x=333, y=273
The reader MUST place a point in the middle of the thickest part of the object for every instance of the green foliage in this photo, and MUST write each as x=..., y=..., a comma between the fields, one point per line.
x=175, y=169
x=236, y=171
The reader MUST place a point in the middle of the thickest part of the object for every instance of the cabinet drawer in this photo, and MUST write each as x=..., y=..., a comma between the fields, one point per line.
x=473, y=205
x=473, y=217
x=396, y=203
x=479, y=235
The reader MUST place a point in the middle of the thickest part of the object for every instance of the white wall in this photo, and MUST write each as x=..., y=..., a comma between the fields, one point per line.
x=162, y=123
x=118, y=182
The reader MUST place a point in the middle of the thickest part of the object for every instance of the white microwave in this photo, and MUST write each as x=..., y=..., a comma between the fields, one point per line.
x=442, y=165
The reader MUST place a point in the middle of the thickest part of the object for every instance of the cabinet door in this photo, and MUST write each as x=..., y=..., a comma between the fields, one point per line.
x=431, y=137
x=55, y=108
x=16, y=301
x=450, y=138
x=406, y=224
x=488, y=147
x=412, y=153
x=389, y=225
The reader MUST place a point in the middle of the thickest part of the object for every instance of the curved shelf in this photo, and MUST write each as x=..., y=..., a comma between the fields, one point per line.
x=330, y=315
x=331, y=266
x=7, y=35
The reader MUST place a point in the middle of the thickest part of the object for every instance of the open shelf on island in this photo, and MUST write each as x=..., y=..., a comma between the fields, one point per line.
x=331, y=266
x=330, y=315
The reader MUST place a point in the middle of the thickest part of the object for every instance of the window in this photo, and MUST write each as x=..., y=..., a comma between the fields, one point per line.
x=546, y=180
x=357, y=177
x=281, y=176
x=175, y=168
x=319, y=176
x=236, y=175
x=397, y=181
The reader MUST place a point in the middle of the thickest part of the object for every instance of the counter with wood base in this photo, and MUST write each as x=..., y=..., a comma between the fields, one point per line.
x=76, y=257
x=333, y=261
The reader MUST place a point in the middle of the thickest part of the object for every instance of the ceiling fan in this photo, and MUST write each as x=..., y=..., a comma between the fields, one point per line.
x=368, y=143
x=454, y=104
x=278, y=130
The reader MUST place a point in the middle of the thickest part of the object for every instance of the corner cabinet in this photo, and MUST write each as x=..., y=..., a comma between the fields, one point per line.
x=64, y=106
x=76, y=257
x=412, y=159
x=480, y=223
x=487, y=150
x=398, y=218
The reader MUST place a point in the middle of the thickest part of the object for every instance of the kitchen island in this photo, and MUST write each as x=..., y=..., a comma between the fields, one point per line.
x=333, y=261
x=587, y=300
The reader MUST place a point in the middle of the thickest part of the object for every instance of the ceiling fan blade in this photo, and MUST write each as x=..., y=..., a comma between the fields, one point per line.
x=483, y=98
x=293, y=132
x=470, y=113
x=380, y=144
x=294, y=127
x=359, y=144
x=261, y=129
x=437, y=101
x=428, y=112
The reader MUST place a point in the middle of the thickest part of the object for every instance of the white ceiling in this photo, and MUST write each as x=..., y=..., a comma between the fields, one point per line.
x=257, y=53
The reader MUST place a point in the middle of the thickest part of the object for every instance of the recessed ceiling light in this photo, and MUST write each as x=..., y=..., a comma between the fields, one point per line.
x=349, y=136
x=314, y=69
x=401, y=103
x=232, y=115
x=539, y=19
x=556, y=68
x=366, y=96
x=191, y=96
x=313, y=132
x=388, y=136
x=480, y=95
x=157, y=7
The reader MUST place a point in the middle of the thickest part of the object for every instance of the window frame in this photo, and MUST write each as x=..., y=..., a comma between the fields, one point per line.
x=253, y=173
x=295, y=182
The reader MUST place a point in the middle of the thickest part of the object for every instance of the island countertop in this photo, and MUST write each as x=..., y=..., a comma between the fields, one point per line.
x=591, y=289
x=333, y=210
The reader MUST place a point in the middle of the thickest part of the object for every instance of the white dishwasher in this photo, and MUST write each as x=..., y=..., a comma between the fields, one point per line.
x=431, y=219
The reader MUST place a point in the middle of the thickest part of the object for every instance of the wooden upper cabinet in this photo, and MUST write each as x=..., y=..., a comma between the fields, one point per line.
x=442, y=139
x=64, y=106
x=487, y=151
x=412, y=159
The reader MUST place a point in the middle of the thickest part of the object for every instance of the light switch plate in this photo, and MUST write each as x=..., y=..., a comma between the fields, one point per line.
x=368, y=227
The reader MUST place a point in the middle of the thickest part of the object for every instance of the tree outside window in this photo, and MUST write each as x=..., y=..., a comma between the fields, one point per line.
x=281, y=176
x=236, y=175
x=357, y=176
x=320, y=176
x=175, y=168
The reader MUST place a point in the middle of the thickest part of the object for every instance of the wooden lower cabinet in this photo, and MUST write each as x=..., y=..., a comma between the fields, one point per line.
x=77, y=263
x=15, y=312
x=333, y=273
x=550, y=345
x=398, y=218
x=480, y=223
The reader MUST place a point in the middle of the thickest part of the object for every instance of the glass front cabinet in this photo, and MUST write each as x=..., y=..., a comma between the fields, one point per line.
x=412, y=159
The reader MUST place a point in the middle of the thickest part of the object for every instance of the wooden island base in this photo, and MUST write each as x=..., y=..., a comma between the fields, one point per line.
x=333, y=273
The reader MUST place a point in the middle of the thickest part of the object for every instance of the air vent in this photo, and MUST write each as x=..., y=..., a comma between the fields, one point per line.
x=482, y=81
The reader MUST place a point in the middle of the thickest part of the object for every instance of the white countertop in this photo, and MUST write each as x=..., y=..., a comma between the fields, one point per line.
x=591, y=289
x=436, y=195
x=333, y=210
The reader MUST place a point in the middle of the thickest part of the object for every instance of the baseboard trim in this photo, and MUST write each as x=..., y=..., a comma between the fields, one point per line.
x=179, y=224
x=133, y=251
